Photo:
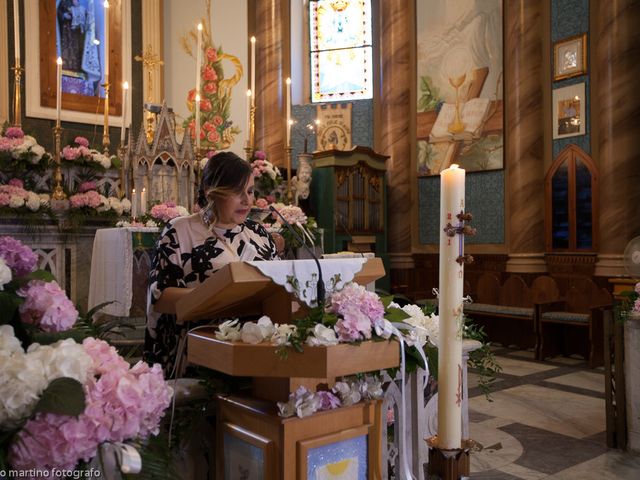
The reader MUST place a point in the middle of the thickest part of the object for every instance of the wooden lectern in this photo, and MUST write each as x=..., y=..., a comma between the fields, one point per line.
x=252, y=440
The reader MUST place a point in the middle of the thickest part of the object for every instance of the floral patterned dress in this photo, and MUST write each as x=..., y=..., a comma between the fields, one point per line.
x=186, y=254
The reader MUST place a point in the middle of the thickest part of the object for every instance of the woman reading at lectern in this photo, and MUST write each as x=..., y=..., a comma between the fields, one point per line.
x=191, y=248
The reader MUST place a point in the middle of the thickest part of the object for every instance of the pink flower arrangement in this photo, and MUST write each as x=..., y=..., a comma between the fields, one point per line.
x=359, y=310
x=17, y=256
x=87, y=186
x=47, y=306
x=262, y=203
x=121, y=403
x=14, y=132
x=16, y=182
x=81, y=142
x=89, y=199
x=168, y=211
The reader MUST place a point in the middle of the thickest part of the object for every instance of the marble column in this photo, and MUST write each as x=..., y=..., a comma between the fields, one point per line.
x=393, y=128
x=524, y=135
x=616, y=109
x=272, y=67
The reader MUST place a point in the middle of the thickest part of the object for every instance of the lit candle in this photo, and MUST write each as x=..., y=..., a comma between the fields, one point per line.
x=16, y=30
x=199, y=59
x=143, y=201
x=289, y=119
x=450, y=310
x=253, y=71
x=134, y=203
x=125, y=90
x=197, y=121
x=248, y=114
x=58, y=90
x=106, y=41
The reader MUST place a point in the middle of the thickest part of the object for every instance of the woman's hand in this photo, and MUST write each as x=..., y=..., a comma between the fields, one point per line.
x=279, y=241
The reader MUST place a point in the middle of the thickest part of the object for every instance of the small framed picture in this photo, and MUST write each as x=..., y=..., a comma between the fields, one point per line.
x=569, y=111
x=246, y=454
x=570, y=57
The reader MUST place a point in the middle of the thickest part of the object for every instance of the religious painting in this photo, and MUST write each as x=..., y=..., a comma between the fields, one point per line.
x=569, y=111
x=342, y=455
x=246, y=455
x=334, y=126
x=570, y=57
x=459, y=85
x=74, y=30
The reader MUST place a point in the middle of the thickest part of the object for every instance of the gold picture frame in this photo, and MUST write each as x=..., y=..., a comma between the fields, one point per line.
x=246, y=454
x=570, y=57
x=569, y=111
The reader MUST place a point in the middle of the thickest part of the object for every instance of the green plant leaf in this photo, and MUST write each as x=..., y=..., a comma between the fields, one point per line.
x=9, y=303
x=63, y=396
x=42, y=275
x=394, y=315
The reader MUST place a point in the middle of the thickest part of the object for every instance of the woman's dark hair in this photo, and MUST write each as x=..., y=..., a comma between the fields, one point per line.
x=225, y=173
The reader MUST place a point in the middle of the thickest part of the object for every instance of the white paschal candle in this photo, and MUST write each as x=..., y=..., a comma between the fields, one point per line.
x=252, y=83
x=199, y=59
x=58, y=90
x=106, y=42
x=289, y=119
x=16, y=31
x=125, y=90
x=452, y=184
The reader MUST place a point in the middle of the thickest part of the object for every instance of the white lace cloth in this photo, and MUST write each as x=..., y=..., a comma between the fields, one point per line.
x=112, y=269
x=304, y=273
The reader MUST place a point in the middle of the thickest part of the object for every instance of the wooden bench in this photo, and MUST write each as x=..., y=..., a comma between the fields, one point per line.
x=575, y=324
x=507, y=312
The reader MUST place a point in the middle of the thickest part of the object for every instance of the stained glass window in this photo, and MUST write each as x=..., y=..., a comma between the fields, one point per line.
x=341, y=51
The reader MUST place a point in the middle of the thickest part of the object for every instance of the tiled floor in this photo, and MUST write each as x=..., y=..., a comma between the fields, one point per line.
x=545, y=420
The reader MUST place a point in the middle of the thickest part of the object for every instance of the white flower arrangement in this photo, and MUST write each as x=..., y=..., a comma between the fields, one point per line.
x=5, y=275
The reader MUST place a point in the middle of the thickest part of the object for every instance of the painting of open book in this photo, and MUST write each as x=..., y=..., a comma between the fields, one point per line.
x=460, y=85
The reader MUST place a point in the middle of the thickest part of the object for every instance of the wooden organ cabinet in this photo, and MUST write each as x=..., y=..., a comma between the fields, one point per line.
x=348, y=198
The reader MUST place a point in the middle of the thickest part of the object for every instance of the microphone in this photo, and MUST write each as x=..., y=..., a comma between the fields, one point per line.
x=321, y=290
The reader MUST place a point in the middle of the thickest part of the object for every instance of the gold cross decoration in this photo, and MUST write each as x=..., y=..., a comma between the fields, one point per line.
x=149, y=61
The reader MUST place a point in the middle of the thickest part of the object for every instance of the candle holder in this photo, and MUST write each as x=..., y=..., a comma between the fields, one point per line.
x=248, y=152
x=106, y=142
x=449, y=464
x=58, y=191
x=122, y=152
x=287, y=152
x=17, y=93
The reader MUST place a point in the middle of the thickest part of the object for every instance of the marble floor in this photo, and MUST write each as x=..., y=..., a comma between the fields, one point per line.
x=544, y=420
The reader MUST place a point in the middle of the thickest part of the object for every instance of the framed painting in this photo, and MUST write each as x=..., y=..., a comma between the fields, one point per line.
x=570, y=57
x=343, y=455
x=459, y=85
x=75, y=31
x=569, y=111
x=246, y=455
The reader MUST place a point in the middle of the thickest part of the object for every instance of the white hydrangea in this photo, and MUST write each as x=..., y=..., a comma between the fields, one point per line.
x=16, y=201
x=9, y=344
x=104, y=204
x=28, y=141
x=65, y=358
x=116, y=205
x=126, y=204
x=5, y=277
x=37, y=151
x=182, y=211
x=33, y=201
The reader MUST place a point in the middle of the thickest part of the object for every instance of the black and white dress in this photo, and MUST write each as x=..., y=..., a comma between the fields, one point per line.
x=186, y=254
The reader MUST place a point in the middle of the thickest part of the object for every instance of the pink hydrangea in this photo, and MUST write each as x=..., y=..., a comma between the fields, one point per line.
x=14, y=132
x=86, y=186
x=636, y=305
x=358, y=310
x=122, y=403
x=70, y=153
x=20, y=258
x=16, y=182
x=47, y=306
x=81, y=141
x=259, y=155
x=353, y=325
x=167, y=211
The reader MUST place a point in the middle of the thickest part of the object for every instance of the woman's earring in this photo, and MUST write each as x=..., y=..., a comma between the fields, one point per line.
x=207, y=213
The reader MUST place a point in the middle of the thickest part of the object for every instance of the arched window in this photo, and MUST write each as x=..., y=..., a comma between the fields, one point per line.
x=341, y=51
x=571, y=196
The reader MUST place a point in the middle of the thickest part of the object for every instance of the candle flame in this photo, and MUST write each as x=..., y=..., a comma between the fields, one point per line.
x=125, y=85
x=453, y=166
x=198, y=97
x=200, y=26
x=290, y=122
x=59, y=61
x=253, y=39
x=106, y=3
x=249, y=93
x=144, y=190
x=133, y=191
x=288, y=80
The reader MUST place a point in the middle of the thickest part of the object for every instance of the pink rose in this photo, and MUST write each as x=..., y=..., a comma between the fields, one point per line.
x=217, y=120
x=210, y=87
x=209, y=74
x=213, y=136
x=212, y=55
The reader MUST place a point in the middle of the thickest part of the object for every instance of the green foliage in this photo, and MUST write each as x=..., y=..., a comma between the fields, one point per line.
x=623, y=308
x=63, y=396
x=483, y=360
x=430, y=95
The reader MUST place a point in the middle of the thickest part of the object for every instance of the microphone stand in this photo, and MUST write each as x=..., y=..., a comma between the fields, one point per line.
x=320, y=286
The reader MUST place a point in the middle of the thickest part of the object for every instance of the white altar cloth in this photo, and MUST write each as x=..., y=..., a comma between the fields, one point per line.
x=112, y=269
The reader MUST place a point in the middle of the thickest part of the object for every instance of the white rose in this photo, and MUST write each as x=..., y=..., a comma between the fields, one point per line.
x=16, y=202
x=5, y=277
x=9, y=344
x=322, y=336
x=252, y=333
x=33, y=201
x=37, y=151
x=229, y=331
x=126, y=204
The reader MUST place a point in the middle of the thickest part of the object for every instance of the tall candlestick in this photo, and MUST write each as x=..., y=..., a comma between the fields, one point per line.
x=106, y=41
x=289, y=119
x=452, y=196
x=248, y=113
x=134, y=203
x=58, y=90
x=197, y=121
x=199, y=59
x=16, y=31
x=125, y=90
x=143, y=201
x=253, y=71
